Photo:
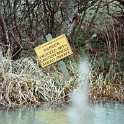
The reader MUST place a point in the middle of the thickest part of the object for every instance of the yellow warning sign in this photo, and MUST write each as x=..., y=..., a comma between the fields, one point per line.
x=53, y=51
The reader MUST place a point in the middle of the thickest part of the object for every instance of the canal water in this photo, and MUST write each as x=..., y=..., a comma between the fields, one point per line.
x=101, y=114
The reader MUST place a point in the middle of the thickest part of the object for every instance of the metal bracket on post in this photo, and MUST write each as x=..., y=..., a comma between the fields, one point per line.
x=61, y=64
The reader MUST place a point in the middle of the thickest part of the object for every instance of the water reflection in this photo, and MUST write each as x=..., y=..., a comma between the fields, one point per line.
x=19, y=117
x=103, y=114
x=109, y=114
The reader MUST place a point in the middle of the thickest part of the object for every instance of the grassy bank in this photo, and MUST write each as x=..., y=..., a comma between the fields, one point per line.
x=23, y=82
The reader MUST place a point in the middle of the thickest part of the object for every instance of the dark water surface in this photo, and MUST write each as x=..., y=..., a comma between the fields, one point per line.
x=102, y=114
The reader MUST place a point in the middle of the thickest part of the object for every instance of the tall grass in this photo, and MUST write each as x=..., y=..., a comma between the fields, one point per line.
x=23, y=82
x=106, y=84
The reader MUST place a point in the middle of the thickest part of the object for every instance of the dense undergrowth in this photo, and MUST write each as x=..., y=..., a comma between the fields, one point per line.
x=107, y=84
x=23, y=82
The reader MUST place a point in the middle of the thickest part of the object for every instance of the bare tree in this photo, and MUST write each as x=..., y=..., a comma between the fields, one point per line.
x=24, y=22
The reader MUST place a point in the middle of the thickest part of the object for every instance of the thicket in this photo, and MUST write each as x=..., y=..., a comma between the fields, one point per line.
x=94, y=26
